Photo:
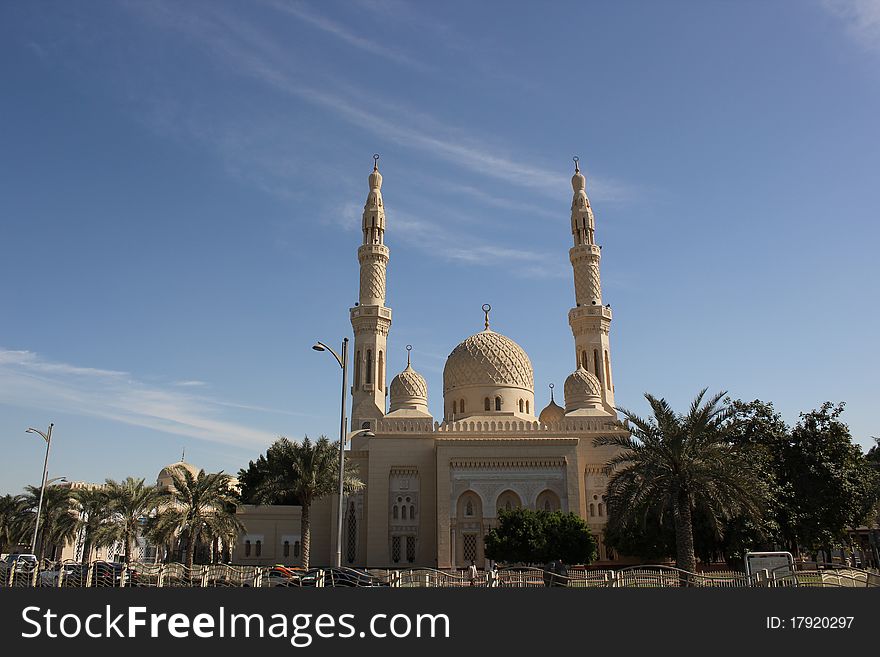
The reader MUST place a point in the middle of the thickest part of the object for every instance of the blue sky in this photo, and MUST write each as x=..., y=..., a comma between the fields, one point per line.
x=181, y=187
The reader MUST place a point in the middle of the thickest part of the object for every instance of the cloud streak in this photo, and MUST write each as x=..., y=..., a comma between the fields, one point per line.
x=30, y=381
x=240, y=47
x=862, y=19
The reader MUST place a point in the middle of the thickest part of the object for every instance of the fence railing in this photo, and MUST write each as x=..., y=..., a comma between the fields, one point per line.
x=70, y=574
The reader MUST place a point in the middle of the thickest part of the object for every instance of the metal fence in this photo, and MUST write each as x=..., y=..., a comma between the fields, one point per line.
x=71, y=574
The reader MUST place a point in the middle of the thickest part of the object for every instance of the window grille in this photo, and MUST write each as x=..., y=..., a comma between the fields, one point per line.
x=410, y=548
x=469, y=547
x=351, y=547
x=395, y=549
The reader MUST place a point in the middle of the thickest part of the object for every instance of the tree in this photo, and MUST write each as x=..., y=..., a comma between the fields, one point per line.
x=58, y=516
x=674, y=465
x=568, y=538
x=12, y=510
x=128, y=504
x=198, y=508
x=519, y=537
x=307, y=471
x=833, y=486
x=92, y=514
x=526, y=536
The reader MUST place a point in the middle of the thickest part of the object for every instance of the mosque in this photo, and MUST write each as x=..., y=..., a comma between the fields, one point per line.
x=434, y=487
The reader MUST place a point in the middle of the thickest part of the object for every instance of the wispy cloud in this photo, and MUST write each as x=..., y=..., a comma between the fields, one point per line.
x=341, y=32
x=241, y=47
x=470, y=250
x=31, y=381
x=862, y=19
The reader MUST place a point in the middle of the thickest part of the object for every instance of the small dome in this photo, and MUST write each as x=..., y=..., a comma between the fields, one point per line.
x=408, y=386
x=166, y=477
x=488, y=359
x=582, y=389
x=553, y=412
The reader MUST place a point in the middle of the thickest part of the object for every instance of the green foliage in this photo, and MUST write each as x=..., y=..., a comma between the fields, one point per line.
x=128, y=503
x=306, y=472
x=674, y=468
x=12, y=530
x=198, y=509
x=58, y=517
x=832, y=485
x=525, y=536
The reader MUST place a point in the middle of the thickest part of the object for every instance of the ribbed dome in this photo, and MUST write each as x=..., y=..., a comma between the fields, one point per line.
x=581, y=388
x=408, y=385
x=488, y=359
x=166, y=474
x=553, y=412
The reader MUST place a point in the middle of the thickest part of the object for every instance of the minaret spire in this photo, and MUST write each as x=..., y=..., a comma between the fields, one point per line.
x=590, y=321
x=370, y=319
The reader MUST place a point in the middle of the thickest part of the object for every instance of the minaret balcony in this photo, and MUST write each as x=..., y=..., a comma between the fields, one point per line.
x=589, y=311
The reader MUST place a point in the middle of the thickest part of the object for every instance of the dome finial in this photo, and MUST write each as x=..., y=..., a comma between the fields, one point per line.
x=576, y=159
x=486, y=309
x=551, y=392
x=408, y=350
x=375, y=161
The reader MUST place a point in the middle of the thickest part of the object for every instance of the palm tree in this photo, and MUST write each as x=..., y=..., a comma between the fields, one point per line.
x=127, y=503
x=199, y=508
x=93, y=512
x=12, y=510
x=309, y=471
x=57, y=518
x=676, y=464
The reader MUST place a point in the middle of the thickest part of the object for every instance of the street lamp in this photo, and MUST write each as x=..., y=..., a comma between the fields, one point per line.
x=343, y=363
x=48, y=438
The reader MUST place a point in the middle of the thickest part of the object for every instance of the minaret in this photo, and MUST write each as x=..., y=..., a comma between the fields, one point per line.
x=590, y=321
x=370, y=319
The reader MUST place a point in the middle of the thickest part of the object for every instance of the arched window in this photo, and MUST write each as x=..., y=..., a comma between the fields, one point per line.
x=592, y=510
x=403, y=512
x=547, y=506
x=469, y=508
x=527, y=406
x=357, y=369
x=259, y=546
x=381, y=369
x=521, y=405
x=247, y=548
x=286, y=548
x=351, y=549
x=412, y=512
x=394, y=512
x=488, y=404
x=296, y=549
x=607, y=371
x=584, y=363
x=596, y=363
x=507, y=505
x=369, y=370
x=461, y=406
x=601, y=509
x=498, y=403
x=454, y=408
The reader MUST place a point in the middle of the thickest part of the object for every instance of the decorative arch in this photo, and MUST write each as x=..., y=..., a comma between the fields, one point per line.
x=469, y=506
x=549, y=501
x=507, y=501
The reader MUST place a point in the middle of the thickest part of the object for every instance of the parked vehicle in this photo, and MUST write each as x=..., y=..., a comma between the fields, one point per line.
x=351, y=577
x=68, y=574
x=109, y=573
x=24, y=564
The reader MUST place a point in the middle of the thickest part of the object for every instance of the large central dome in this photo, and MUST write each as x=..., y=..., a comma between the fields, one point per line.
x=488, y=359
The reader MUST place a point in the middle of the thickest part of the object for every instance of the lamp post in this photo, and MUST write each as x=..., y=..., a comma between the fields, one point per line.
x=343, y=363
x=48, y=438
